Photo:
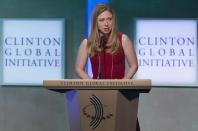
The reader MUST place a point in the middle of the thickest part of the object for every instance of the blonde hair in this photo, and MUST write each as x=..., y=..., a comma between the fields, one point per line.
x=94, y=39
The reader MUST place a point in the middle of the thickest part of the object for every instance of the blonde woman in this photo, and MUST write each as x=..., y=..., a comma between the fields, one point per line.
x=106, y=48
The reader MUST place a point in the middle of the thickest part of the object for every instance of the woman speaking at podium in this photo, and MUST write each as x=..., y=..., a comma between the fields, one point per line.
x=107, y=49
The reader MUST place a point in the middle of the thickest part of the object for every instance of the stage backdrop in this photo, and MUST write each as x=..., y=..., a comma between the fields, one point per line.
x=32, y=50
x=167, y=51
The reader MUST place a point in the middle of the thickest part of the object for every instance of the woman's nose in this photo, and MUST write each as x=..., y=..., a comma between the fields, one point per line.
x=106, y=22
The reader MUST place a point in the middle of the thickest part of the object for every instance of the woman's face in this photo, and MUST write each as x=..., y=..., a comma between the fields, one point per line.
x=104, y=22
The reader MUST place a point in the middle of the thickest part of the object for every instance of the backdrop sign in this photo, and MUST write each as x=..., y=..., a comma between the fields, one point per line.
x=167, y=51
x=32, y=51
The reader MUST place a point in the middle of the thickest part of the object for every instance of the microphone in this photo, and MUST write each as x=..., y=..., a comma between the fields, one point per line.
x=99, y=68
x=99, y=57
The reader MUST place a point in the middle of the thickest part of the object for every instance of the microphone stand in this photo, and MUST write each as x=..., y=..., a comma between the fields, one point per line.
x=99, y=67
x=99, y=57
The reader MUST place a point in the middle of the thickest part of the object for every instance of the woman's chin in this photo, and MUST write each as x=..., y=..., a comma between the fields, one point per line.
x=106, y=32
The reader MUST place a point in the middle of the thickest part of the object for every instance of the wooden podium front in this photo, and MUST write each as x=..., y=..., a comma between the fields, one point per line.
x=101, y=105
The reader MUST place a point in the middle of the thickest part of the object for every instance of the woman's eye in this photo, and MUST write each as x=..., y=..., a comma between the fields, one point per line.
x=101, y=20
x=109, y=19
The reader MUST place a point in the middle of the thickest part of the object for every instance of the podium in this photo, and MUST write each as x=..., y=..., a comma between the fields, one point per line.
x=101, y=105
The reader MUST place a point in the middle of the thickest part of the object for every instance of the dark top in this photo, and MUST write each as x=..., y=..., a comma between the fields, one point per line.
x=109, y=66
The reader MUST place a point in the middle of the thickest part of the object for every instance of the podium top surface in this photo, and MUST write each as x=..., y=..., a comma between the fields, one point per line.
x=94, y=84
